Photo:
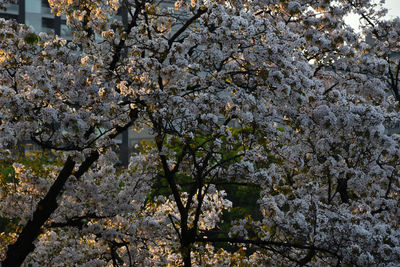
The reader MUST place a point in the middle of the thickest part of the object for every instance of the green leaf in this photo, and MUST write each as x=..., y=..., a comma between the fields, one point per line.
x=280, y=128
x=31, y=38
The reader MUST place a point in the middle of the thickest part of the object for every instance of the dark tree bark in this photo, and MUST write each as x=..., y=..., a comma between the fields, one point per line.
x=18, y=251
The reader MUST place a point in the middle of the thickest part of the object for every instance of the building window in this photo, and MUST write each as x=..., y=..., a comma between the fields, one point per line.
x=48, y=24
x=8, y=16
x=45, y=3
x=46, y=7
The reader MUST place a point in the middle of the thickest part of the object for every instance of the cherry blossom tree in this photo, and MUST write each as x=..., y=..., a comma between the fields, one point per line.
x=279, y=96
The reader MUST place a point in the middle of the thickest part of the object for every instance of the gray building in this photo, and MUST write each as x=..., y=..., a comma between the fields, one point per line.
x=36, y=13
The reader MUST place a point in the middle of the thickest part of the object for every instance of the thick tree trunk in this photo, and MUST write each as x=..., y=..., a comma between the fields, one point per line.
x=187, y=240
x=187, y=261
x=186, y=247
x=17, y=252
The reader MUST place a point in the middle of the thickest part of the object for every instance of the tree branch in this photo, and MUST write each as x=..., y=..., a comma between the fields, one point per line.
x=17, y=252
x=200, y=12
x=263, y=243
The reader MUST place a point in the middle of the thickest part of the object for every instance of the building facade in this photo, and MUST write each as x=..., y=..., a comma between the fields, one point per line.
x=36, y=13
